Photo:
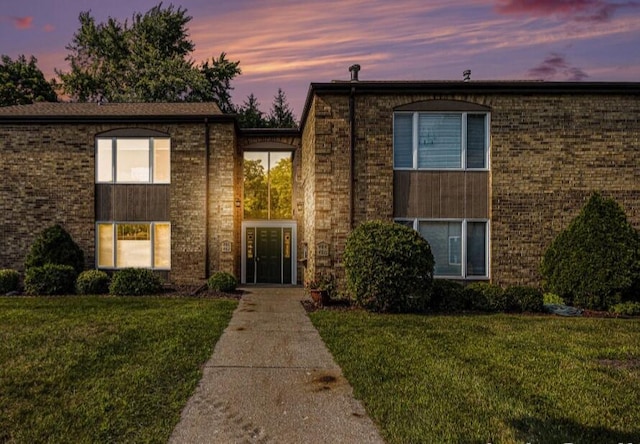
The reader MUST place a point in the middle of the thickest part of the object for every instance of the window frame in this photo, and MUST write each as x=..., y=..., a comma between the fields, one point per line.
x=464, y=233
x=114, y=245
x=151, y=148
x=463, y=133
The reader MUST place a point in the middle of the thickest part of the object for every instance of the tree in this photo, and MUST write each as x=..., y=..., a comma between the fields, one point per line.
x=145, y=60
x=22, y=82
x=255, y=190
x=249, y=114
x=595, y=261
x=218, y=77
x=281, y=115
x=280, y=180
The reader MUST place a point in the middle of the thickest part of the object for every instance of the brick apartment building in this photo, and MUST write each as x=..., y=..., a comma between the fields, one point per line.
x=488, y=172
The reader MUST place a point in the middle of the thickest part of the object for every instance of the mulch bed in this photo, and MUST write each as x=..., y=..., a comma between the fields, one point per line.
x=200, y=291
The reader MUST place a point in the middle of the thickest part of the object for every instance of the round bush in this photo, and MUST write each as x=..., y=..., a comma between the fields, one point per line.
x=595, y=262
x=55, y=246
x=485, y=296
x=50, y=279
x=626, y=308
x=92, y=282
x=447, y=296
x=222, y=281
x=525, y=298
x=135, y=282
x=9, y=281
x=389, y=267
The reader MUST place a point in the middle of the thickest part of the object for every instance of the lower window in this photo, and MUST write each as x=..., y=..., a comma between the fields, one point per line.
x=139, y=245
x=460, y=247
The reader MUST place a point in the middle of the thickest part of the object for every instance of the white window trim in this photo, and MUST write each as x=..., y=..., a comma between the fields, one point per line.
x=114, y=161
x=463, y=129
x=114, y=237
x=463, y=240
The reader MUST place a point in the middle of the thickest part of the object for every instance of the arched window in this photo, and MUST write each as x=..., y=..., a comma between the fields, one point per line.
x=133, y=156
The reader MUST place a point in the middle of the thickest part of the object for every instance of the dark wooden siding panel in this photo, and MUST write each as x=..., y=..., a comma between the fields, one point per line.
x=451, y=194
x=477, y=195
x=441, y=194
x=132, y=202
x=104, y=202
x=401, y=193
x=159, y=203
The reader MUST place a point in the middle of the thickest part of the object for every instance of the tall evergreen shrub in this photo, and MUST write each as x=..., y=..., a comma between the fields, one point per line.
x=595, y=262
x=389, y=267
x=54, y=245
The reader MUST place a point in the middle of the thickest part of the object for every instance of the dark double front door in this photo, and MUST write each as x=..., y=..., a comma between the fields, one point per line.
x=268, y=255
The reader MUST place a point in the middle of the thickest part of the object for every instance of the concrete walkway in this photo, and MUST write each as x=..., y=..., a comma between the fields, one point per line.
x=271, y=379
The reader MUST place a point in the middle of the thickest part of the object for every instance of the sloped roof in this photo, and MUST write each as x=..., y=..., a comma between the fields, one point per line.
x=65, y=111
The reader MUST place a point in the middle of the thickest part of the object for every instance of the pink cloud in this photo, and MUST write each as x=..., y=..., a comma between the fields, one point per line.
x=579, y=10
x=556, y=67
x=48, y=28
x=22, y=22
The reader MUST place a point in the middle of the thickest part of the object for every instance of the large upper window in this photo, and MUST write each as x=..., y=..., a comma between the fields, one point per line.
x=268, y=185
x=460, y=247
x=440, y=140
x=133, y=160
x=135, y=244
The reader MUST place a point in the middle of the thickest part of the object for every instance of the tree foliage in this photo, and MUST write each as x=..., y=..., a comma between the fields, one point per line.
x=218, y=77
x=145, y=60
x=281, y=115
x=280, y=179
x=249, y=114
x=22, y=82
x=255, y=189
x=595, y=261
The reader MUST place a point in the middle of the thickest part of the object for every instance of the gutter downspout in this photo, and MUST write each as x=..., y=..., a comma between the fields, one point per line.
x=352, y=152
x=353, y=69
x=207, y=148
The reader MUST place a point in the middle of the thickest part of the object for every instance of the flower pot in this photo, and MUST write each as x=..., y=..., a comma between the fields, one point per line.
x=320, y=297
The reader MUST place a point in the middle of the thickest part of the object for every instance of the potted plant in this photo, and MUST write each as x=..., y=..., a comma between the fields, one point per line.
x=322, y=288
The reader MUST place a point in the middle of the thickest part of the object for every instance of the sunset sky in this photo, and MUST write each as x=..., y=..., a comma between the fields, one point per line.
x=290, y=43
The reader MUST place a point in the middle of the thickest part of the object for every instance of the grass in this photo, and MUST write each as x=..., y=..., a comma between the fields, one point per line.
x=498, y=378
x=101, y=369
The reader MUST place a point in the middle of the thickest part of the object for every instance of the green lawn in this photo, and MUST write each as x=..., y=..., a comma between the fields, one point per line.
x=101, y=369
x=498, y=378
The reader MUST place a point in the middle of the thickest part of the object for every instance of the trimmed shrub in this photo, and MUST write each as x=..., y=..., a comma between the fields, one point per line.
x=135, y=282
x=9, y=281
x=55, y=246
x=626, y=308
x=552, y=298
x=389, y=267
x=525, y=298
x=448, y=296
x=50, y=279
x=222, y=281
x=595, y=262
x=484, y=296
x=92, y=282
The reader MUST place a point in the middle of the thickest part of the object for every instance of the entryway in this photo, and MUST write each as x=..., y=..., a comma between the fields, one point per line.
x=268, y=252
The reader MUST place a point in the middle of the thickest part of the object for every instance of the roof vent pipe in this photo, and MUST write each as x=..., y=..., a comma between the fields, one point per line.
x=354, y=69
x=466, y=75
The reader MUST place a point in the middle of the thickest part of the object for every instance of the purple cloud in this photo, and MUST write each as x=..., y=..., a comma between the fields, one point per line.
x=22, y=22
x=579, y=10
x=556, y=67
